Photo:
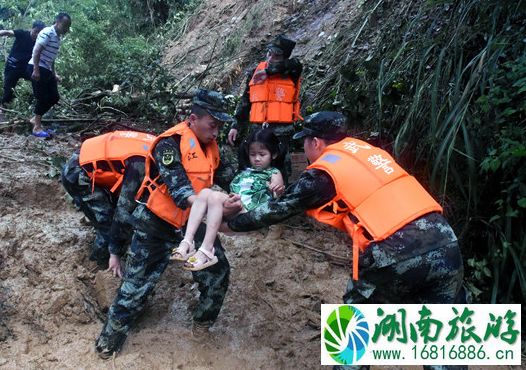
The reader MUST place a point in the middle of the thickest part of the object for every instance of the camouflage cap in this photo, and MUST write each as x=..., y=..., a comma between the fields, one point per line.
x=282, y=46
x=325, y=125
x=214, y=103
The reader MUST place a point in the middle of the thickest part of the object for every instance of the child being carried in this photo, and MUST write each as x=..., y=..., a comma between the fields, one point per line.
x=256, y=185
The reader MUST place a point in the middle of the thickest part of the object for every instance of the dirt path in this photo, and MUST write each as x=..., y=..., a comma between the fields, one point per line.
x=53, y=299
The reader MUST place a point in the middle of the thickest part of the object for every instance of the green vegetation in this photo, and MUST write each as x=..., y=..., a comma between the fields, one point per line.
x=442, y=85
x=110, y=43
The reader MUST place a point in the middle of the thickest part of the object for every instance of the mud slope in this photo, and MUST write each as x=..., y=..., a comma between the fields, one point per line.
x=53, y=298
x=225, y=39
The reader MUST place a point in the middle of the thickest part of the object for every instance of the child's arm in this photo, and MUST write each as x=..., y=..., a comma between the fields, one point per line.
x=277, y=185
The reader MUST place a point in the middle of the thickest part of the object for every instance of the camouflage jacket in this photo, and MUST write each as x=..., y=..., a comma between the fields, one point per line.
x=174, y=174
x=289, y=67
x=315, y=188
x=120, y=230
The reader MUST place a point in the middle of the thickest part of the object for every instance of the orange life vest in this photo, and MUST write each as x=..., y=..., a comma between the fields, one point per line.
x=275, y=100
x=199, y=166
x=109, y=151
x=374, y=188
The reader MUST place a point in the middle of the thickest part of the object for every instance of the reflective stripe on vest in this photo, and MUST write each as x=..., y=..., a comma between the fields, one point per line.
x=374, y=188
x=275, y=100
x=111, y=148
x=199, y=169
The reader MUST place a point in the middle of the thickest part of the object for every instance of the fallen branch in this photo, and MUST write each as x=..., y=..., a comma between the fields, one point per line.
x=114, y=109
x=346, y=259
x=14, y=122
x=46, y=120
x=89, y=126
x=11, y=159
x=298, y=227
x=267, y=302
x=75, y=119
x=6, y=124
x=314, y=337
x=4, y=109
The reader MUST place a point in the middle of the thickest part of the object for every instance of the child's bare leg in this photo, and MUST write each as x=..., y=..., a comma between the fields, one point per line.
x=214, y=216
x=197, y=213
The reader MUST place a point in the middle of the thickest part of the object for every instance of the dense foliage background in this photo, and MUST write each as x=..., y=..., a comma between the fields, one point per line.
x=445, y=90
x=113, y=42
x=441, y=84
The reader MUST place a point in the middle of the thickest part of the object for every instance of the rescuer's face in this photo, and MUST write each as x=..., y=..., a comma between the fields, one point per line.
x=206, y=128
x=273, y=57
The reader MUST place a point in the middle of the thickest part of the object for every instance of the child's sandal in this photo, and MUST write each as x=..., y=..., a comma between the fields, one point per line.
x=193, y=264
x=178, y=255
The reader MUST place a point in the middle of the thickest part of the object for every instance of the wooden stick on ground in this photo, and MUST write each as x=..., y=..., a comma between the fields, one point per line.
x=346, y=259
x=48, y=120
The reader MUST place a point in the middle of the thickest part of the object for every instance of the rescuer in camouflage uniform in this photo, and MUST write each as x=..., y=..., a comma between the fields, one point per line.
x=108, y=212
x=279, y=62
x=419, y=263
x=154, y=239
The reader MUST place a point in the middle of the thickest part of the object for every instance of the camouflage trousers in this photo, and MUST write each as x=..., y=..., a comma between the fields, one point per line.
x=148, y=257
x=284, y=133
x=433, y=277
x=97, y=204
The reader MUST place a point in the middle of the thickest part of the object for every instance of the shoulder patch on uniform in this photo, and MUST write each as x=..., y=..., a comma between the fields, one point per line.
x=331, y=158
x=192, y=143
x=168, y=156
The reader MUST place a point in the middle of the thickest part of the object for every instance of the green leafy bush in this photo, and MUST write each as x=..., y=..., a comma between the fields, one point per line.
x=442, y=85
x=110, y=43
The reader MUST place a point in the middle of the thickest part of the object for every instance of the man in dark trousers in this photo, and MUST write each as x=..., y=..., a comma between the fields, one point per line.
x=42, y=69
x=404, y=251
x=270, y=99
x=16, y=64
x=103, y=178
x=181, y=162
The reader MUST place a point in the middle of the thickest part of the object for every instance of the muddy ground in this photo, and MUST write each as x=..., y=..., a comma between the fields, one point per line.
x=53, y=300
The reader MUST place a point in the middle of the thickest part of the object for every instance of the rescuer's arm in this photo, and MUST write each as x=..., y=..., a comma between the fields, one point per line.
x=288, y=67
x=167, y=155
x=312, y=190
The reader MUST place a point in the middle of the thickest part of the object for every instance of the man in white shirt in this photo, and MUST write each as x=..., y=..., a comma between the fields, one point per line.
x=41, y=67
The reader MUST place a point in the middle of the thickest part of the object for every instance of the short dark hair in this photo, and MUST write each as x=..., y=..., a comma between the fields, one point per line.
x=38, y=24
x=61, y=16
x=199, y=111
x=330, y=141
x=327, y=140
